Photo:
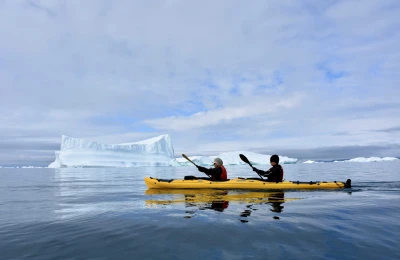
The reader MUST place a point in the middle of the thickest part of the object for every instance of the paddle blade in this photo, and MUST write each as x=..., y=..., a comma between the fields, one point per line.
x=187, y=158
x=184, y=156
x=244, y=159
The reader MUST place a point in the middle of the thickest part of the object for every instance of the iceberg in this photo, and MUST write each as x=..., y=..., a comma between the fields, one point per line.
x=76, y=152
x=232, y=158
x=199, y=160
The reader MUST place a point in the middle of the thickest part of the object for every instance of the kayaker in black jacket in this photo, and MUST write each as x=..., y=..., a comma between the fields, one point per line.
x=218, y=173
x=275, y=173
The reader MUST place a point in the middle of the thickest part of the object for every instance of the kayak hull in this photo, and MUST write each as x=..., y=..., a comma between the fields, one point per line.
x=241, y=183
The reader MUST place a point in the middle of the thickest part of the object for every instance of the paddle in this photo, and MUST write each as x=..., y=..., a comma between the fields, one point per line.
x=187, y=158
x=244, y=159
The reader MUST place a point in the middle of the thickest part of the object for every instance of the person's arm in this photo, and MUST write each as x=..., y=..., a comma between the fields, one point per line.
x=261, y=172
x=216, y=172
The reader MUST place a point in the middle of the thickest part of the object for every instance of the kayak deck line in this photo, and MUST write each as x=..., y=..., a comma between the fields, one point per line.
x=241, y=183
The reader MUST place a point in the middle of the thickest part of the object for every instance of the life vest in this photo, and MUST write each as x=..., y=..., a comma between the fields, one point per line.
x=224, y=175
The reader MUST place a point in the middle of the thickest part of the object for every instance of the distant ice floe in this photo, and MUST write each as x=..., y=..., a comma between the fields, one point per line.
x=310, y=161
x=358, y=159
x=370, y=159
x=157, y=151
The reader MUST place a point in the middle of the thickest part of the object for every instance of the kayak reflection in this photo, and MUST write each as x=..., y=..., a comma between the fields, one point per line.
x=203, y=198
x=217, y=200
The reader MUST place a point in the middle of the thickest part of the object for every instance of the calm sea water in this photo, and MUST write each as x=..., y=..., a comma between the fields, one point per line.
x=108, y=213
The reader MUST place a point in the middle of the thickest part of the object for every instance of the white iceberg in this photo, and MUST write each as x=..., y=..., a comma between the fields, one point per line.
x=199, y=160
x=75, y=152
x=232, y=158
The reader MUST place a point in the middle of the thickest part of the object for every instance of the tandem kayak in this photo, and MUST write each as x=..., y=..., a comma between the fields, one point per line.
x=242, y=183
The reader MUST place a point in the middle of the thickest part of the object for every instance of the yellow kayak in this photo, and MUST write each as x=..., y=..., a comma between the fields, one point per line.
x=241, y=183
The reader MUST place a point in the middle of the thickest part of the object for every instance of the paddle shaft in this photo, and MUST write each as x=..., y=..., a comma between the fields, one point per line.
x=187, y=158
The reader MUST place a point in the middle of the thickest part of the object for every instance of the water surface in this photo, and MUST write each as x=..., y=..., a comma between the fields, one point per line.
x=108, y=213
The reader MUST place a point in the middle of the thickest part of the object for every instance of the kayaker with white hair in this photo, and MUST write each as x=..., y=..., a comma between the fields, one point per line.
x=218, y=173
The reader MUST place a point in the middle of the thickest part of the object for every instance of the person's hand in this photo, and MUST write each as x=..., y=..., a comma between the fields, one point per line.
x=254, y=168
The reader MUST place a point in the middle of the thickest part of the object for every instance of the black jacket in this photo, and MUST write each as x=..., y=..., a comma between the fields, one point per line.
x=274, y=174
x=212, y=172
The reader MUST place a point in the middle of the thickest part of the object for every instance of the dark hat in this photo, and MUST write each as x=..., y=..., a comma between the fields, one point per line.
x=274, y=158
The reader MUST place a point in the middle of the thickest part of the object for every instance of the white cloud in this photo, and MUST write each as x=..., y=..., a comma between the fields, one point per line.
x=223, y=115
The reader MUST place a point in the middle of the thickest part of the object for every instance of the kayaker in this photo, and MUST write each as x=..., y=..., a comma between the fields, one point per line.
x=275, y=173
x=218, y=173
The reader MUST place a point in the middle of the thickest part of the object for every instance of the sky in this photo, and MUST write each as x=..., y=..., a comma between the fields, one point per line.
x=307, y=79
